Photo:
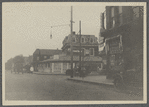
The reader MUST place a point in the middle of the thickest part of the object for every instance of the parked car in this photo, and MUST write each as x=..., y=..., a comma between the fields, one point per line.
x=76, y=72
x=131, y=78
x=68, y=72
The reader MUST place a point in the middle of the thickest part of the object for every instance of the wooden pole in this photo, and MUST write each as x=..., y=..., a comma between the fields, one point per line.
x=71, y=45
x=80, y=48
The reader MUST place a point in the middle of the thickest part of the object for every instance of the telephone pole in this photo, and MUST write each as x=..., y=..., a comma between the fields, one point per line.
x=80, y=47
x=71, y=45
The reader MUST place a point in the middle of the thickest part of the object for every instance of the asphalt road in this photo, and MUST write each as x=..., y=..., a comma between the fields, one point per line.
x=35, y=87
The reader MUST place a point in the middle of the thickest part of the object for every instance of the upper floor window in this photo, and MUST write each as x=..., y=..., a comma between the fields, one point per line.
x=120, y=10
x=136, y=11
x=112, y=17
x=37, y=57
x=91, y=40
x=45, y=57
x=82, y=40
x=87, y=39
x=73, y=39
x=120, y=15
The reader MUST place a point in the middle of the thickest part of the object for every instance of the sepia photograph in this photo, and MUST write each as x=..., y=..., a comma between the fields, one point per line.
x=70, y=53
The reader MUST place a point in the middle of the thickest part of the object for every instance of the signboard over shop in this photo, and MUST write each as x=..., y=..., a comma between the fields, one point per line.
x=114, y=44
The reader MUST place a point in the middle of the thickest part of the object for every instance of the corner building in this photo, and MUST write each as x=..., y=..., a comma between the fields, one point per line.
x=122, y=29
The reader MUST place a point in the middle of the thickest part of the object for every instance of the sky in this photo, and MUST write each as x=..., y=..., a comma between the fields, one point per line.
x=26, y=26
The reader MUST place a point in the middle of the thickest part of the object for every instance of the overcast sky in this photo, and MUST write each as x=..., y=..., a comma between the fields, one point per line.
x=26, y=26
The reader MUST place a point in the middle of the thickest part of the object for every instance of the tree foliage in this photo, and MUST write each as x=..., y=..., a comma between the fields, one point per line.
x=8, y=64
x=18, y=59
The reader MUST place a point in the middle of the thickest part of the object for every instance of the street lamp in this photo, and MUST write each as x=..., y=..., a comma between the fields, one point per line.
x=57, y=26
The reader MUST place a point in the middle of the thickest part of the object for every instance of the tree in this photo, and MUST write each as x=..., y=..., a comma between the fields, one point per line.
x=18, y=59
x=8, y=64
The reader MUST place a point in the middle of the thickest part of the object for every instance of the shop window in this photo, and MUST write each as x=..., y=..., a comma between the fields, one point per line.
x=112, y=60
x=92, y=51
x=83, y=51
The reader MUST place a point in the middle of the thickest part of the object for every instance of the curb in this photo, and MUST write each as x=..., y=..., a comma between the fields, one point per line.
x=47, y=74
x=90, y=82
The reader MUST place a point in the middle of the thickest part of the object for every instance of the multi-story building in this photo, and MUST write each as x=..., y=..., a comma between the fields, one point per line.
x=60, y=63
x=89, y=45
x=123, y=37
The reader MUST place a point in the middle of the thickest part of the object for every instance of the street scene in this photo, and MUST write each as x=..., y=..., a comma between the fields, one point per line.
x=57, y=52
x=29, y=87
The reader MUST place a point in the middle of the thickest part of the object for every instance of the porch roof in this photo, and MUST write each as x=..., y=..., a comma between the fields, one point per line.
x=75, y=59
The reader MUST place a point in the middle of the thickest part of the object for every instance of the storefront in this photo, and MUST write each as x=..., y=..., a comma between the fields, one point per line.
x=114, y=52
x=62, y=63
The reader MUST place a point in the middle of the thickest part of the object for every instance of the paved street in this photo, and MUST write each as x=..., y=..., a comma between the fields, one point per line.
x=57, y=87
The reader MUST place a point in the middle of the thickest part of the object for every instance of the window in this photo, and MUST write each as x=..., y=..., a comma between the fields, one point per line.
x=120, y=9
x=73, y=39
x=45, y=57
x=92, y=51
x=87, y=39
x=120, y=15
x=91, y=40
x=82, y=40
x=37, y=57
x=112, y=17
x=136, y=12
x=83, y=51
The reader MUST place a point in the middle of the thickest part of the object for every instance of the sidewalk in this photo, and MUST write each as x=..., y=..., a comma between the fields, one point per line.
x=100, y=79
x=95, y=79
x=48, y=73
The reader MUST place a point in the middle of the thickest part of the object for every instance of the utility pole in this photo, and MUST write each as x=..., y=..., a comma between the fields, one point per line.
x=71, y=45
x=80, y=47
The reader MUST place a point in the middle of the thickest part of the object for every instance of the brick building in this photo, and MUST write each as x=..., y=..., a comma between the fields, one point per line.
x=122, y=29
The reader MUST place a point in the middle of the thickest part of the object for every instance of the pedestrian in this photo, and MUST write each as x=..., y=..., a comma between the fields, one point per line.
x=31, y=69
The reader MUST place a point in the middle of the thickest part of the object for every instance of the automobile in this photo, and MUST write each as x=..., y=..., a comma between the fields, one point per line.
x=129, y=78
x=68, y=72
x=76, y=72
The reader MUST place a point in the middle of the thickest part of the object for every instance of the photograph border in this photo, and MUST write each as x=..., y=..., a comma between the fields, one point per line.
x=7, y=103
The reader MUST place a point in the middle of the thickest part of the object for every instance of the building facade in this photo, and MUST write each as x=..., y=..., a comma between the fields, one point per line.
x=59, y=63
x=89, y=45
x=43, y=54
x=122, y=29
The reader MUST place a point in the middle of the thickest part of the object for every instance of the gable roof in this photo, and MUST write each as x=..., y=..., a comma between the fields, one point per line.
x=47, y=51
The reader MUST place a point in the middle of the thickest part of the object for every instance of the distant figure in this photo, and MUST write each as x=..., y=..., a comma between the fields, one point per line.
x=32, y=69
x=12, y=68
